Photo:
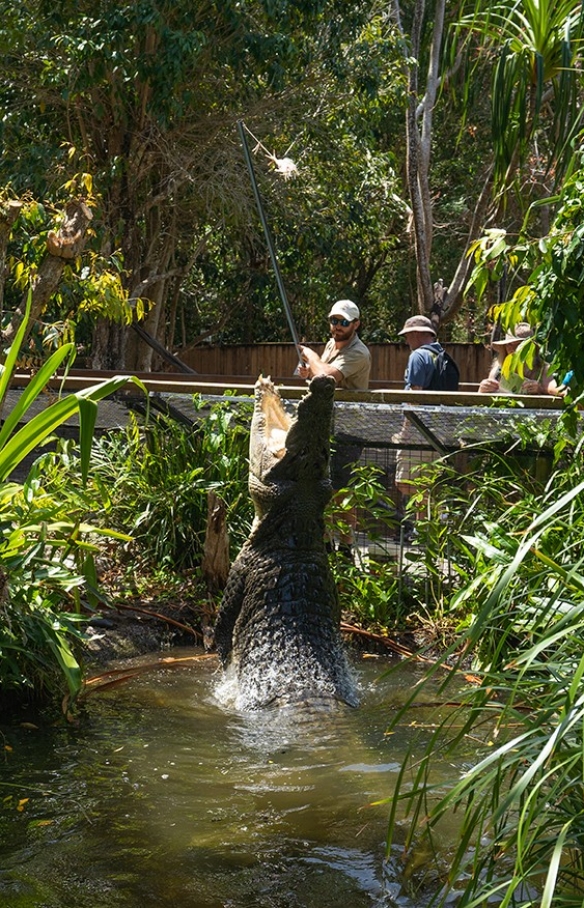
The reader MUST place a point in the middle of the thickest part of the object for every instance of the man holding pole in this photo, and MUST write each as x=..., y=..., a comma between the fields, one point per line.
x=345, y=356
x=348, y=360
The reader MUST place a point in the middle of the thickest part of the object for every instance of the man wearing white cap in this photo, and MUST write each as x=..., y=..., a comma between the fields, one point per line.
x=345, y=356
x=348, y=360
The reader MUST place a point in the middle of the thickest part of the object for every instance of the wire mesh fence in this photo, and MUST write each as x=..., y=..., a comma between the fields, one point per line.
x=400, y=441
x=396, y=438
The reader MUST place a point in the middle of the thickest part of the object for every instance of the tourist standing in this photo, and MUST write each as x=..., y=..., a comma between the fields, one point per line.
x=420, y=336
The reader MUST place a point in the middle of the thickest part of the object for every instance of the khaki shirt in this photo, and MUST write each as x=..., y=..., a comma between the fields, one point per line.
x=352, y=361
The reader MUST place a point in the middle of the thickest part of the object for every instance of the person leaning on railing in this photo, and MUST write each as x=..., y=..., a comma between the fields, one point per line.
x=535, y=379
x=345, y=356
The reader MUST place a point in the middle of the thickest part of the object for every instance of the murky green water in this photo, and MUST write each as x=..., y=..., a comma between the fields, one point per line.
x=163, y=796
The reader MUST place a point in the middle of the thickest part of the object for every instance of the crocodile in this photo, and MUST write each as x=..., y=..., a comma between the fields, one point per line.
x=278, y=627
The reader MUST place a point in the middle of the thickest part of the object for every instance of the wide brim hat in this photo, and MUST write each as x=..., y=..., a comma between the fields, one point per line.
x=418, y=323
x=521, y=332
x=345, y=309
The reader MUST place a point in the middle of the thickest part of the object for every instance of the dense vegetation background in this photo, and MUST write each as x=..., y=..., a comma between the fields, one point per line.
x=434, y=156
x=413, y=128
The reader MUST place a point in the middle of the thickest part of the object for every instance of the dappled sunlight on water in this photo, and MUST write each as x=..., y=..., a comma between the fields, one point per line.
x=164, y=796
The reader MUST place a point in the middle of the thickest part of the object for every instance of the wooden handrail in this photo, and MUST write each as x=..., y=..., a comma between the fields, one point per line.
x=292, y=388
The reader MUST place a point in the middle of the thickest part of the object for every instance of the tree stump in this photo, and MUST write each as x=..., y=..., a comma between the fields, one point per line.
x=215, y=563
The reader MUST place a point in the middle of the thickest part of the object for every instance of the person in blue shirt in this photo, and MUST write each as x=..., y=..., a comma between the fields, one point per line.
x=420, y=336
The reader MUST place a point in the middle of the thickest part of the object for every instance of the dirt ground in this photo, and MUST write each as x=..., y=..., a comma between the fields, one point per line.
x=135, y=628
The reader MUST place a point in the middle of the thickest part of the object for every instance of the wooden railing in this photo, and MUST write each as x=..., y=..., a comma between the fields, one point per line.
x=291, y=387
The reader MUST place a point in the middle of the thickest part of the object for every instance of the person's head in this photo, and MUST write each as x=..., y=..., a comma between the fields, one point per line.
x=344, y=319
x=417, y=331
x=512, y=340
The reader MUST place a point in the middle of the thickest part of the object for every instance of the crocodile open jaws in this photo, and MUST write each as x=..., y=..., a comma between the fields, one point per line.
x=278, y=628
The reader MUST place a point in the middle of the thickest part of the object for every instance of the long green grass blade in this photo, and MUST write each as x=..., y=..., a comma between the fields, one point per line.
x=537, y=527
x=13, y=351
x=69, y=664
x=43, y=424
x=34, y=388
x=87, y=420
x=554, y=867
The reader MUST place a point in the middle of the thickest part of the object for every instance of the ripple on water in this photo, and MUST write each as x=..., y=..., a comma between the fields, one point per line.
x=167, y=795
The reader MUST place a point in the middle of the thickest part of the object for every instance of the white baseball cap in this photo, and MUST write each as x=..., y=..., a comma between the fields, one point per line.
x=345, y=309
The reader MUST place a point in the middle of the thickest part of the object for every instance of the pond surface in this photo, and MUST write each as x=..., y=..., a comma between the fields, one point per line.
x=165, y=796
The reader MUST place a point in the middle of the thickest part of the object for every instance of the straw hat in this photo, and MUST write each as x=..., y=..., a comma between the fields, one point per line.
x=520, y=333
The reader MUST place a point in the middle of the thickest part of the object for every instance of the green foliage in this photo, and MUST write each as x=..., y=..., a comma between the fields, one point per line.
x=155, y=89
x=535, y=105
x=47, y=561
x=556, y=300
x=152, y=481
x=91, y=286
x=136, y=103
x=326, y=249
x=520, y=803
x=550, y=294
x=45, y=558
x=368, y=587
x=368, y=593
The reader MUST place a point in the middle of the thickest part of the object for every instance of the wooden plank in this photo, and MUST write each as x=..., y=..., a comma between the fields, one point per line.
x=293, y=389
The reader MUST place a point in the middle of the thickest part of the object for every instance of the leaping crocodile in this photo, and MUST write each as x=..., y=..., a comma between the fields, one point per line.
x=278, y=628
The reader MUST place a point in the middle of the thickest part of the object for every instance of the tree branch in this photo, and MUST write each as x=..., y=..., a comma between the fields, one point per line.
x=63, y=246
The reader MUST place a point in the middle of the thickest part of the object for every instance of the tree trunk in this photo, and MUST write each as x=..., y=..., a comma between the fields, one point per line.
x=417, y=179
x=139, y=354
x=483, y=215
x=419, y=140
x=434, y=299
x=109, y=346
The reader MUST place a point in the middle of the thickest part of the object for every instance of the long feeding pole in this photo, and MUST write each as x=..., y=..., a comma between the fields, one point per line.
x=268, y=236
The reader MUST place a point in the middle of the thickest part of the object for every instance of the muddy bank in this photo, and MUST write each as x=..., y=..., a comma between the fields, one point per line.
x=132, y=630
x=136, y=630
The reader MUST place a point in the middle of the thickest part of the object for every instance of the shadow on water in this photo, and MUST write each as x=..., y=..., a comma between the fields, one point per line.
x=162, y=796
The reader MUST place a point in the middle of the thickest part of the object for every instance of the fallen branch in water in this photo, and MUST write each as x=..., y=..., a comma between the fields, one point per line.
x=403, y=650
x=150, y=614
x=379, y=638
x=114, y=676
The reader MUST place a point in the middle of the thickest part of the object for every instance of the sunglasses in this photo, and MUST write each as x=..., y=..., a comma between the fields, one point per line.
x=344, y=322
